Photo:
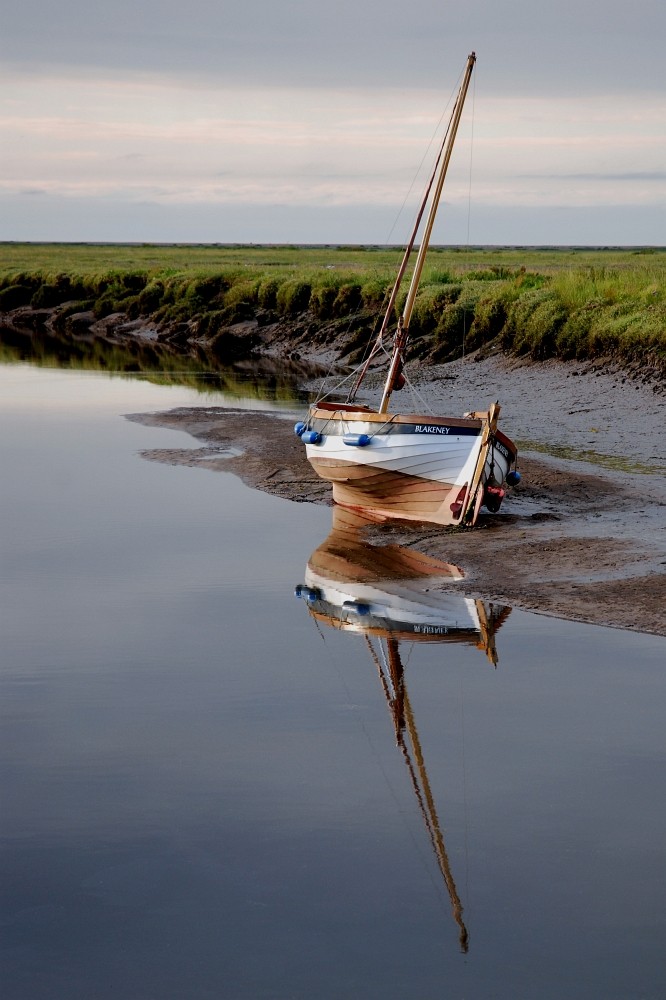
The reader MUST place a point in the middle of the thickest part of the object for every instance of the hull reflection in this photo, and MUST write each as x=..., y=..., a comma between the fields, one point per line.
x=393, y=591
x=390, y=594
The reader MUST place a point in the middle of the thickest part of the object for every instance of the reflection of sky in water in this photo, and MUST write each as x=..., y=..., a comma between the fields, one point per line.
x=202, y=795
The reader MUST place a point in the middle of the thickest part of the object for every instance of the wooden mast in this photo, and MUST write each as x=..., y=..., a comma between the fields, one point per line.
x=403, y=323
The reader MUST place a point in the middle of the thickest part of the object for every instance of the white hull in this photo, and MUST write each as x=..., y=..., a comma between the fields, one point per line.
x=408, y=467
x=451, y=461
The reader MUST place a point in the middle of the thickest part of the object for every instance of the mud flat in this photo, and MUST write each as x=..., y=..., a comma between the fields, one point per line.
x=582, y=537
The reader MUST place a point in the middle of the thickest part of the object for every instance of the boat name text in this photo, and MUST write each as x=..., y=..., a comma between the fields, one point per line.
x=431, y=429
x=502, y=450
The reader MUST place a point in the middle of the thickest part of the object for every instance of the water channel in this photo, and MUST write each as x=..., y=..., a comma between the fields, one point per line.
x=210, y=792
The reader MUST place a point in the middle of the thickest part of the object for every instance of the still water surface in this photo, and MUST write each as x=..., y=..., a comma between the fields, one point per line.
x=202, y=795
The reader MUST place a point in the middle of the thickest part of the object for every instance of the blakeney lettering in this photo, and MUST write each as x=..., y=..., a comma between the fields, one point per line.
x=431, y=429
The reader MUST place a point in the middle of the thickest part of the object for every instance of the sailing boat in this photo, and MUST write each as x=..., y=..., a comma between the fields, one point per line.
x=389, y=594
x=412, y=466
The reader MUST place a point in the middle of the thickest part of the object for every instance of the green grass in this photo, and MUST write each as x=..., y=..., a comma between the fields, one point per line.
x=566, y=303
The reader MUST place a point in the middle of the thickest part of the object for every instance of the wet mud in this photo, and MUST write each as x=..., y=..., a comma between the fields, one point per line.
x=582, y=537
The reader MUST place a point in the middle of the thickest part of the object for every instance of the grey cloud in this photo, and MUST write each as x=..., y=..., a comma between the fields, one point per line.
x=523, y=47
x=637, y=175
x=99, y=219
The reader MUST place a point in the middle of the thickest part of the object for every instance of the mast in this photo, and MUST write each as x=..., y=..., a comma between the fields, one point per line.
x=403, y=322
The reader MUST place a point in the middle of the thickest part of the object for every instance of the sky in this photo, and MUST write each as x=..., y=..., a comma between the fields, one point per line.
x=304, y=121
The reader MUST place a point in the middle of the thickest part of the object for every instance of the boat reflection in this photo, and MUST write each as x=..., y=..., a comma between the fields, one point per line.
x=391, y=591
x=390, y=594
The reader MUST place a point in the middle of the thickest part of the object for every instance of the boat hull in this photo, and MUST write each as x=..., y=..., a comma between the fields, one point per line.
x=407, y=466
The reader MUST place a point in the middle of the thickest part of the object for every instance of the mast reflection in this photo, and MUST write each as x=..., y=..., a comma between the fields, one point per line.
x=390, y=594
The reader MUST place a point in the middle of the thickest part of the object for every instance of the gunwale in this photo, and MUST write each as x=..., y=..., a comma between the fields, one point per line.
x=366, y=415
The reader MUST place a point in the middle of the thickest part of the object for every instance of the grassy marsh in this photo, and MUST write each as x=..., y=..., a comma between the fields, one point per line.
x=542, y=302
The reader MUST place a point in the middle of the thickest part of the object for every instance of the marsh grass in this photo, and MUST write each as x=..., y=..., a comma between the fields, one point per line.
x=568, y=302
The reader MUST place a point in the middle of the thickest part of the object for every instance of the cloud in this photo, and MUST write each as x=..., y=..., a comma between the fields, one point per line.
x=294, y=103
x=57, y=219
x=636, y=175
x=139, y=139
x=525, y=46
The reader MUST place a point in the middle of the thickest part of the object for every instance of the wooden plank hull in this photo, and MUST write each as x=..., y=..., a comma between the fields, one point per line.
x=389, y=494
x=408, y=467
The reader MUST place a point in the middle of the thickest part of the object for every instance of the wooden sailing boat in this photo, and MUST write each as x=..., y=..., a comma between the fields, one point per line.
x=388, y=594
x=412, y=466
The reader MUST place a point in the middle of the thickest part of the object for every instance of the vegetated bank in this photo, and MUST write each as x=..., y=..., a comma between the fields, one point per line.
x=220, y=303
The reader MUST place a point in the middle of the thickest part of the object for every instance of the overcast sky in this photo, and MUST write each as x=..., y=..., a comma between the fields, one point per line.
x=294, y=121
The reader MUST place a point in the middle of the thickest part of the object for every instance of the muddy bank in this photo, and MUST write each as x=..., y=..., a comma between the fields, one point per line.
x=580, y=539
x=297, y=337
x=264, y=335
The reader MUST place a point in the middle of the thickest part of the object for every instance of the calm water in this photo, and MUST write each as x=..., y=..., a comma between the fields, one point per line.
x=202, y=795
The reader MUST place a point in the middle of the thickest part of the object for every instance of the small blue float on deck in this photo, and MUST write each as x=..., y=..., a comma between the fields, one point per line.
x=311, y=437
x=299, y=428
x=357, y=440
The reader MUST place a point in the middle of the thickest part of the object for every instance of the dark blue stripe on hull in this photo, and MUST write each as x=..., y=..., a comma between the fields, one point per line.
x=341, y=428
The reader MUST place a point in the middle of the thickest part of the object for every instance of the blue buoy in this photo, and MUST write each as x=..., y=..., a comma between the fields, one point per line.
x=299, y=428
x=357, y=440
x=513, y=478
x=311, y=437
x=309, y=594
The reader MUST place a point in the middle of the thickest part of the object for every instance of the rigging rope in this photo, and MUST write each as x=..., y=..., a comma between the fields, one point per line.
x=378, y=346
